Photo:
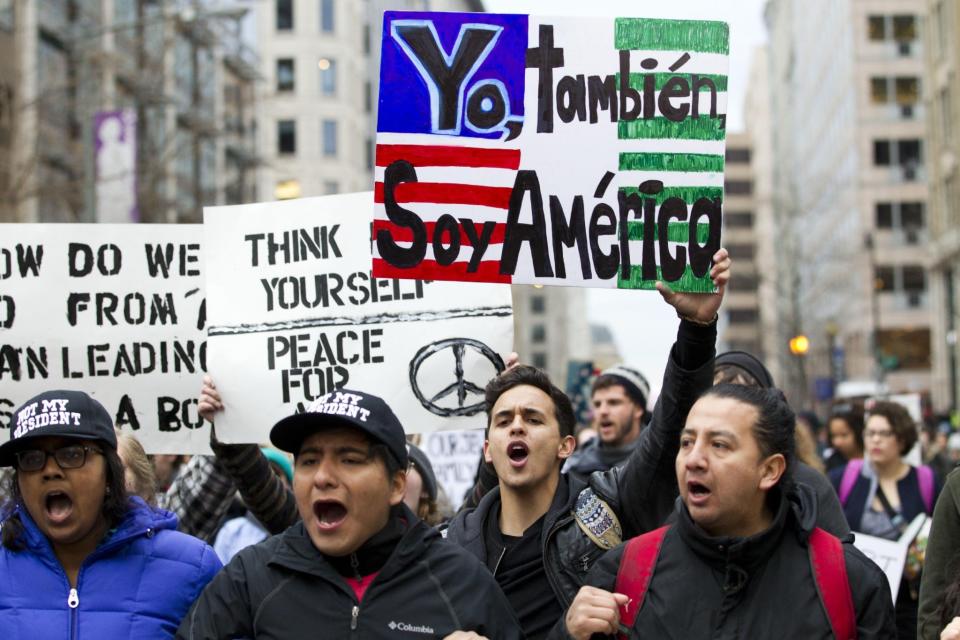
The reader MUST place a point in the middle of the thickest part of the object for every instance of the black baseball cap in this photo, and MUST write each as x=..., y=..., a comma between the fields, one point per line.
x=67, y=414
x=344, y=407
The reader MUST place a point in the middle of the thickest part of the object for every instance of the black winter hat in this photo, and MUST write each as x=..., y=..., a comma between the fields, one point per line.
x=749, y=363
x=62, y=413
x=344, y=407
x=424, y=468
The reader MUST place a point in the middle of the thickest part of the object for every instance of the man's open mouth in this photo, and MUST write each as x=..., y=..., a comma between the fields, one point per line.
x=697, y=489
x=330, y=513
x=518, y=452
x=58, y=506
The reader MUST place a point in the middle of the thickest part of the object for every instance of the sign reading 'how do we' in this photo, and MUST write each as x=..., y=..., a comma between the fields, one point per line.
x=524, y=149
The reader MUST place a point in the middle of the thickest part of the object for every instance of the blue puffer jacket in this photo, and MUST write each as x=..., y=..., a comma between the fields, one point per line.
x=138, y=583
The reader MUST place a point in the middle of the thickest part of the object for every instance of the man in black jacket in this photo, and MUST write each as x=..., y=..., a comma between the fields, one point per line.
x=539, y=532
x=359, y=564
x=738, y=562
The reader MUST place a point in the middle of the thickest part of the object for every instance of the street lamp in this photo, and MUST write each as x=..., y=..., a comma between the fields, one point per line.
x=799, y=345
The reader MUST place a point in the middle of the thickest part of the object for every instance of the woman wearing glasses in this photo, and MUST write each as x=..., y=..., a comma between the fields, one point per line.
x=79, y=558
x=882, y=494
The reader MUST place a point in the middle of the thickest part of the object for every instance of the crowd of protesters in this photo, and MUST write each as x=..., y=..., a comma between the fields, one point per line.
x=718, y=512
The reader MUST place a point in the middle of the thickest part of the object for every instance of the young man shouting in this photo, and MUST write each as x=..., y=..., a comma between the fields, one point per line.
x=359, y=564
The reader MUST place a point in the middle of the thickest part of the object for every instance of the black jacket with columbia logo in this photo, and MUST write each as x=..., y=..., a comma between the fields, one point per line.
x=284, y=588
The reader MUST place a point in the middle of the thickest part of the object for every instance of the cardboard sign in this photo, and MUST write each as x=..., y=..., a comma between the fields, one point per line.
x=891, y=555
x=572, y=151
x=294, y=314
x=454, y=456
x=114, y=310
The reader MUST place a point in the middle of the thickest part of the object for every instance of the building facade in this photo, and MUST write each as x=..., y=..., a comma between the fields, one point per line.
x=941, y=97
x=850, y=169
x=179, y=70
x=551, y=328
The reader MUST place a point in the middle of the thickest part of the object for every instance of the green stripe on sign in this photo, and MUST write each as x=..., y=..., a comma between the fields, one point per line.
x=661, y=79
x=702, y=36
x=687, y=282
x=676, y=231
x=689, y=162
x=704, y=128
x=687, y=194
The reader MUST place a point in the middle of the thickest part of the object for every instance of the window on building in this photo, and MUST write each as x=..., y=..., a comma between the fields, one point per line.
x=738, y=187
x=904, y=28
x=369, y=148
x=285, y=74
x=881, y=153
x=946, y=116
x=287, y=190
x=538, y=304
x=367, y=97
x=911, y=215
x=907, y=90
x=331, y=187
x=6, y=15
x=914, y=278
x=877, y=28
x=744, y=282
x=879, y=93
x=330, y=138
x=284, y=15
x=539, y=360
x=883, y=278
x=741, y=251
x=738, y=155
x=328, y=76
x=884, y=215
x=909, y=152
x=538, y=334
x=742, y=316
x=366, y=39
x=286, y=136
x=738, y=219
x=327, y=16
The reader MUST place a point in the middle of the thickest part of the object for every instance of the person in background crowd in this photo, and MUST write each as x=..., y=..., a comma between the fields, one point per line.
x=939, y=604
x=737, y=561
x=619, y=398
x=846, y=435
x=421, y=494
x=359, y=563
x=522, y=529
x=935, y=452
x=883, y=494
x=166, y=468
x=80, y=559
x=137, y=470
x=811, y=422
x=245, y=530
x=807, y=447
x=740, y=367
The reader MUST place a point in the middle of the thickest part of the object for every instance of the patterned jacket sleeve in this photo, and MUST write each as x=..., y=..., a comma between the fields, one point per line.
x=265, y=495
x=200, y=497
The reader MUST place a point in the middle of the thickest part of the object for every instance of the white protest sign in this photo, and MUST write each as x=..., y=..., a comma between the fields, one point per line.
x=454, y=456
x=550, y=150
x=890, y=555
x=294, y=313
x=114, y=310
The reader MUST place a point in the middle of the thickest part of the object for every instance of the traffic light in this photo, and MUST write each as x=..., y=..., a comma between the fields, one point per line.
x=799, y=345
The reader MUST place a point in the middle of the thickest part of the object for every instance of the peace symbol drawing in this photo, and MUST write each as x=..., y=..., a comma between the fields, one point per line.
x=455, y=399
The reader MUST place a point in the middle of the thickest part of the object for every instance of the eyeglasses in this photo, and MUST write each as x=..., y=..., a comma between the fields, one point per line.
x=72, y=456
x=883, y=434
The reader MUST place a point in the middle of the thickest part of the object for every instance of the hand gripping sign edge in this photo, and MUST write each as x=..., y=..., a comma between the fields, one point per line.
x=461, y=386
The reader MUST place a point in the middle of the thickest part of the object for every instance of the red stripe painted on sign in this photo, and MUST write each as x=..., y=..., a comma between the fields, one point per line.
x=430, y=270
x=405, y=234
x=447, y=193
x=430, y=156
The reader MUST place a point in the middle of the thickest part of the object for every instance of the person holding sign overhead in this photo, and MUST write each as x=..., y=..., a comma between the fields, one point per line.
x=359, y=563
x=80, y=559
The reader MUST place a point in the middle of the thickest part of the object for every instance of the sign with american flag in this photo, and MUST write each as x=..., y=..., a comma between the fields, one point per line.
x=570, y=151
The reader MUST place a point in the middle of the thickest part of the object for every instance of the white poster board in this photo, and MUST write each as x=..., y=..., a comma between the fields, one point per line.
x=294, y=314
x=114, y=310
x=890, y=555
x=454, y=456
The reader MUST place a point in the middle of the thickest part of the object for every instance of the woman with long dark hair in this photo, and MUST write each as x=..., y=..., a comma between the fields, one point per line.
x=79, y=558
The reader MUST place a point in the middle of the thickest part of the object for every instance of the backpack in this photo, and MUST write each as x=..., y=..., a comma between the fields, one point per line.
x=826, y=559
x=852, y=472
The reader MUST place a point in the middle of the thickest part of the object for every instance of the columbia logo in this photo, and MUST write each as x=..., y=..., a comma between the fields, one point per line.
x=412, y=628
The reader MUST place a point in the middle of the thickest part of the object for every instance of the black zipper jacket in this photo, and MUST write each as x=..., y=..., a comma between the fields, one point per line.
x=284, y=588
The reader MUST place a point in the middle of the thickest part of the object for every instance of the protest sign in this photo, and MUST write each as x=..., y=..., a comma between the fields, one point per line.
x=571, y=151
x=114, y=310
x=454, y=456
x=294, y=314
x=890, y=555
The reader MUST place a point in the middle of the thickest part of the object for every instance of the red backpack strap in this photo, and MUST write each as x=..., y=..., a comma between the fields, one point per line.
x=636, y=568
x=925, y=479
x=830, y=573
x=850, y=474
